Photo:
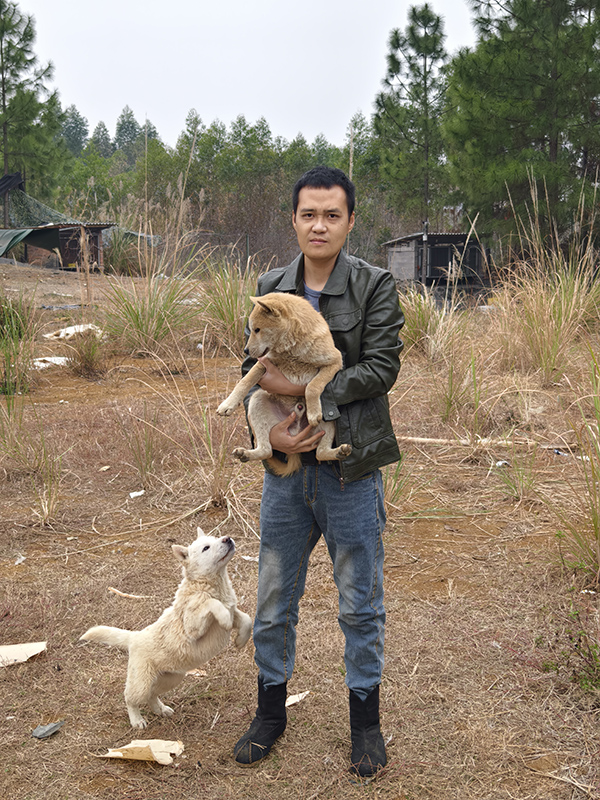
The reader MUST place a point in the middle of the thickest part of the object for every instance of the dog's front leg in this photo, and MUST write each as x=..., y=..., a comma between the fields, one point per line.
x=197, y=622
x=241, y=389
x=243, y=624
x=314, y=390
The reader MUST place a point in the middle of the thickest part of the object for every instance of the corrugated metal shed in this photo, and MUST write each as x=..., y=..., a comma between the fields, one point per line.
x=434, y=257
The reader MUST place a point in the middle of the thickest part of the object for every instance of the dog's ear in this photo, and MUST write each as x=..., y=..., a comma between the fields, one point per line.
x=180, y=553
x=199, y=533
x=259, y=301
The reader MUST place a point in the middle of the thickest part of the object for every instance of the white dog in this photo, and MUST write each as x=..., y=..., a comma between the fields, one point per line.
x=187, y=634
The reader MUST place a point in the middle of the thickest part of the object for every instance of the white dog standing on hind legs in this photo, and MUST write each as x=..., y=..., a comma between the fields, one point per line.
x=196, y=627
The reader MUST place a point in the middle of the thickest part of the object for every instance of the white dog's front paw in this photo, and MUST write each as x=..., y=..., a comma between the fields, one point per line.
x=241, y=639
x=138, y=722
x=166, y=711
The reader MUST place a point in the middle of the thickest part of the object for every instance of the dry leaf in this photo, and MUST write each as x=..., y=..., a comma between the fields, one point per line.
x=159, y=750
x=17, y=653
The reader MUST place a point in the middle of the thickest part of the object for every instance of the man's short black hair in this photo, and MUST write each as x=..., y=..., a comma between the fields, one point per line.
x=322, y=177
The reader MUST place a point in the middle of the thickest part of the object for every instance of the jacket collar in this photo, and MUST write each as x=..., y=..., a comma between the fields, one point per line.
x=293, y=279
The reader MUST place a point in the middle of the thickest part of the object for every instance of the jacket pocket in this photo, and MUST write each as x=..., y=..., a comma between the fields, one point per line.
x=344, y=320
x=345, y=327
x=369, y=420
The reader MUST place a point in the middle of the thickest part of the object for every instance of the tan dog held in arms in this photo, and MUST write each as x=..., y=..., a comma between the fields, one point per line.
x=297, y=340
x=187, y=634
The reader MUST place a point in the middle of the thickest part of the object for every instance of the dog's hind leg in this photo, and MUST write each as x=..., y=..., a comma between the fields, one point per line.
x=164, y=682
x=326, y=451
x=139, y=689
x=262, y=420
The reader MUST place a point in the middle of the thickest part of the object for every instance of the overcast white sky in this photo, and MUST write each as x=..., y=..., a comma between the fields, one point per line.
x=304, y=67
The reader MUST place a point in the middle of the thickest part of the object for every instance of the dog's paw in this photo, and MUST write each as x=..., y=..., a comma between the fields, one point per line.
x=166, y=711
x=344, y=451
x=314, y=419
x=225, y=409
x=139, y=722
x=240, y=453
x=241, y=640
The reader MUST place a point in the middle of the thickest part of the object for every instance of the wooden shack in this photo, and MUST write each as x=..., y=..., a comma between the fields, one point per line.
x=435, y=258
x=41, y=228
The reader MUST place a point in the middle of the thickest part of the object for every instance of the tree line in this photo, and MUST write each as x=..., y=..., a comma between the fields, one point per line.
x=451, y=139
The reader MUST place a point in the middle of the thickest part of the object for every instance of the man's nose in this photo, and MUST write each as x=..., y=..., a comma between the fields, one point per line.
x=319, y=223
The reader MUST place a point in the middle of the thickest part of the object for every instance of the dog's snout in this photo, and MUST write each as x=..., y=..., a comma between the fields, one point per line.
x=226, y=540
x=246, y=351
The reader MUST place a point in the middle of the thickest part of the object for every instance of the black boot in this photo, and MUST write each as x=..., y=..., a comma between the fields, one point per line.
x=267, y=726
x=368, y=748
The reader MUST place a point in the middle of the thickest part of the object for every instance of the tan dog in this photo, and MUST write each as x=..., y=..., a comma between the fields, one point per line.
x=187, y=634
x=297, y=340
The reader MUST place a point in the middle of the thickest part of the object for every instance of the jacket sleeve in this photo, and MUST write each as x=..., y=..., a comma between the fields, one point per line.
x=378, y=364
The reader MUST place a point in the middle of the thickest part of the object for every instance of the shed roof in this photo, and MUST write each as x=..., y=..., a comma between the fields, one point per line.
x=25, y=211
x=410, y=237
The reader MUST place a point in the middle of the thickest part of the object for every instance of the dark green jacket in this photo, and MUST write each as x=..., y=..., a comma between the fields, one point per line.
x=360, y=305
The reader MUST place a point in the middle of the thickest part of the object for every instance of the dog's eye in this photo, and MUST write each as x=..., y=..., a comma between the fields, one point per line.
x=205, y=548
x=256, y=330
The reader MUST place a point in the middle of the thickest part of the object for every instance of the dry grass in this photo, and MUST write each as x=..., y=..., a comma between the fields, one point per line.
x=484, y=694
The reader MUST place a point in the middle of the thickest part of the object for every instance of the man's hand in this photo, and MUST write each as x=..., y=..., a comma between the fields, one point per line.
x=302, y=442
x=275, y=382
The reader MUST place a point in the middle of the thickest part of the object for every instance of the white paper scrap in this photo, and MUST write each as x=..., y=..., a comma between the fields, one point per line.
x=159, y=750
x=17, y=653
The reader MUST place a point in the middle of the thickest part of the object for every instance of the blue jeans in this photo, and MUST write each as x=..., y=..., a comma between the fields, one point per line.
x=295, y=511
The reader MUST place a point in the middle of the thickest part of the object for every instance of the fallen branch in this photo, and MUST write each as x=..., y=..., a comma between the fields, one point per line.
x=469, y=442
x=131, y=596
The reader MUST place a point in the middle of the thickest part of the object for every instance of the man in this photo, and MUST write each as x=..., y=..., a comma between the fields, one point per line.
x=343, y=501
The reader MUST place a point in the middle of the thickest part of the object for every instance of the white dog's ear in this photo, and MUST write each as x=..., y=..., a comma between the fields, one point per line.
x=199, y=533
x=180, y=553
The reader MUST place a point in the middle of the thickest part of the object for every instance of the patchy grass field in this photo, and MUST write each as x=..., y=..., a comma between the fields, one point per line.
x=492, y=680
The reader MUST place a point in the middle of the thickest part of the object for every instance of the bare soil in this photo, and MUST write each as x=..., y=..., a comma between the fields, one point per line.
x=479, y=698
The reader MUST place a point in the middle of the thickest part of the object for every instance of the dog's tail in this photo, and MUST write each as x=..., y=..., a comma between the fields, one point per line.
x=103, y=633
x=283, y=469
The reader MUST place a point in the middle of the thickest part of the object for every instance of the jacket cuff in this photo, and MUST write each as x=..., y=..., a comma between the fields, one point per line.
x=331, y=411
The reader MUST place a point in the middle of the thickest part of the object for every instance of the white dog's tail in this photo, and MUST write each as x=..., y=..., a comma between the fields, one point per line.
x=115, y=636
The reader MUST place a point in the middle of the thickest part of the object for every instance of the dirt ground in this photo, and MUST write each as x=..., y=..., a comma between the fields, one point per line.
x=479, y=698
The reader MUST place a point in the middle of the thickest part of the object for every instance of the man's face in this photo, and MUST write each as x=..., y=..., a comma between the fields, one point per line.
x=321, y=222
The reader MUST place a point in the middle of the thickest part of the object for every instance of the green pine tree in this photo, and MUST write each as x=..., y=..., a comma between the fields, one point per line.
x=409, y=115
x=102, y=141
x=75, y=130
x=30, y=115
x=524, y=108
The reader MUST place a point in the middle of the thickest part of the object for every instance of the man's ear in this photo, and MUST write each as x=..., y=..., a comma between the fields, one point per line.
x=351, y=222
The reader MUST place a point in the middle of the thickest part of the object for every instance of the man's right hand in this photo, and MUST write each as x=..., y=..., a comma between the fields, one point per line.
x=302, y=442
x=275, y=382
